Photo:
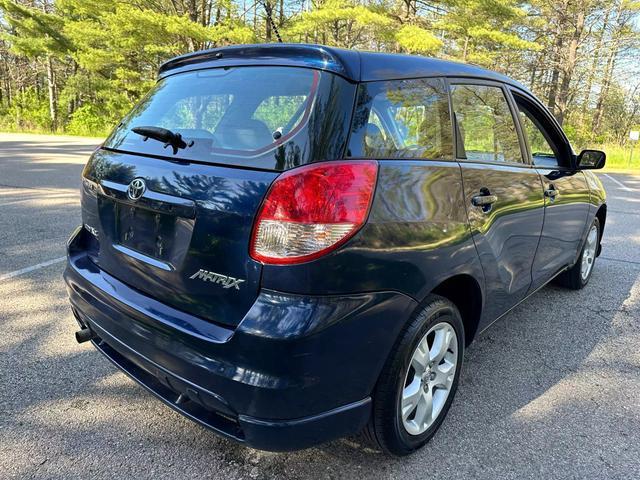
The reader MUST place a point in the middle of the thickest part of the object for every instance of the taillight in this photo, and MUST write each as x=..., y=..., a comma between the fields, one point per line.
x=310, y=211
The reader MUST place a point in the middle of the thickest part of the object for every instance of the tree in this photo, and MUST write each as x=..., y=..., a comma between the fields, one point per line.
x=37, y=35
x=79, y=65
x=622, y=35
x=483, y=31
x=341, y=24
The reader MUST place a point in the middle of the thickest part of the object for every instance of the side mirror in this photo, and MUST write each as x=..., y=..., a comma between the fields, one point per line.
x=591, y=159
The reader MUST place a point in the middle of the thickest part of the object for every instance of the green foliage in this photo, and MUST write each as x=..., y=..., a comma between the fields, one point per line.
x=338, y=23
x=618, y=156
x=485, y=29
x=276, y=112
x=414, y=39
x=35, y=33
x=114, y=49
x=89, y=120
x=84, y=63
x=28, y=112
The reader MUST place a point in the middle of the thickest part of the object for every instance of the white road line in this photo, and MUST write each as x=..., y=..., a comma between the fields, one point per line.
x=22, y=271
x=622, y=185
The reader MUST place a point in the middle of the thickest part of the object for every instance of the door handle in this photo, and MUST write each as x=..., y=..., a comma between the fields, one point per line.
x=484, y=200
x=551, y=192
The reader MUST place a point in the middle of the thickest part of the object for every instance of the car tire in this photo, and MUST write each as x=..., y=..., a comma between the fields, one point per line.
x=395, y=427
x=578, y=276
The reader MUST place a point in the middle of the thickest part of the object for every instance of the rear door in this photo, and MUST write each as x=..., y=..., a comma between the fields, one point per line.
x=503, y=193
x=566, y=190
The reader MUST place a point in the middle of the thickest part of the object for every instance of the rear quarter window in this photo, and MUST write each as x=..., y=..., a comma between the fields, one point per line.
x=402, y=119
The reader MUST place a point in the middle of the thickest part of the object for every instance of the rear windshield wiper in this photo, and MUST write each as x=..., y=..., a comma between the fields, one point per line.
x=168, y=137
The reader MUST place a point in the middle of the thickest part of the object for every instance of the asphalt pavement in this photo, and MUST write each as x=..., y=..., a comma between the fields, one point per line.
x=552, y=390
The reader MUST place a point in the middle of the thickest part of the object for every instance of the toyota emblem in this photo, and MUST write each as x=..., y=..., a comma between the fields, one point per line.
x=136, y=189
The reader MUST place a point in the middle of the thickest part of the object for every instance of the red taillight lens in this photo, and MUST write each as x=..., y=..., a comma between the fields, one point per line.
x=309, y=211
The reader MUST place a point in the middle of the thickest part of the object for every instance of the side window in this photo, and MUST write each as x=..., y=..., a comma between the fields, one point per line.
x=544, y=151
x=485, y=124
x=402, y=119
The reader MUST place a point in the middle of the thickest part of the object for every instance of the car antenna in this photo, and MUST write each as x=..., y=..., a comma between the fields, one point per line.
x=267, y=8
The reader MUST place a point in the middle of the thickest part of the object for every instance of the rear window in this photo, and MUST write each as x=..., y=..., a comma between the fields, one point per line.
x=265, y=117
x=402, y=119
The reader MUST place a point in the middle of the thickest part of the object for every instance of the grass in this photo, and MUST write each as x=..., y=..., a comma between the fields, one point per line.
x=618, y=157
x=48, y=133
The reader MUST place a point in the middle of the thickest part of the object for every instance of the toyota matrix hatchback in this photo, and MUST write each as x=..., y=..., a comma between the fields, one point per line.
x=293, y=243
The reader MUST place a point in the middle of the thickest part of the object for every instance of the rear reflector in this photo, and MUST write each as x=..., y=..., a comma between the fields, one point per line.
x=311, y=210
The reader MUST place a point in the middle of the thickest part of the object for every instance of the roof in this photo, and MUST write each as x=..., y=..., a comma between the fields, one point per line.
x=353, y=65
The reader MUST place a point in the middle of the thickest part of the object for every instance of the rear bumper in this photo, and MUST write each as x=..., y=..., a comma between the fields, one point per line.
x=211, y=411
x=296, y=371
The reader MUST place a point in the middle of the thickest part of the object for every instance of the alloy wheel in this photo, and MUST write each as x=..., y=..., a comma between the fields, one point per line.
x=429, y=378
x=589, y=253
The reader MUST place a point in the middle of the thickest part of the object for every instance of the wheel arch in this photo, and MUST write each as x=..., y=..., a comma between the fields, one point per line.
x=464, y=291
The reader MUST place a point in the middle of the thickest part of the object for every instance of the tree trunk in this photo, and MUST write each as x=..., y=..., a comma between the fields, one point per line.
x=596, y=60
x=5, y=82
x=533, y=76
x=203, y=13
x=193, y=10
x=555, y=72
x=267, y=8
x=9, y=92
x=255, y=16
x=614, y=48
x=604, y=90
x=569, y=66
x=53, y=101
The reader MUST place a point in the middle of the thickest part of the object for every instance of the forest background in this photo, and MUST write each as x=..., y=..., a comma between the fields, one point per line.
x=77, y=66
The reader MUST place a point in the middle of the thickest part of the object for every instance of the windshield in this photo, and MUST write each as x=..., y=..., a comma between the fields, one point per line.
x=265, y=117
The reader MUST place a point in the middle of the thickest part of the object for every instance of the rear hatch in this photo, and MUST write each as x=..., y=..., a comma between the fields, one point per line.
x=176, y=223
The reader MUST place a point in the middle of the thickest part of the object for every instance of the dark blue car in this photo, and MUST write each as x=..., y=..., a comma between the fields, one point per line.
x=293, y=243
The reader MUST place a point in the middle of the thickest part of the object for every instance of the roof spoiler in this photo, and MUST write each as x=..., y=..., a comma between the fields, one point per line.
x=342, y=62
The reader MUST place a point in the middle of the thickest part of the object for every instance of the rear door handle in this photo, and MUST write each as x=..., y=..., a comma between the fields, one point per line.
x=551, y=192
x=484, y=200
